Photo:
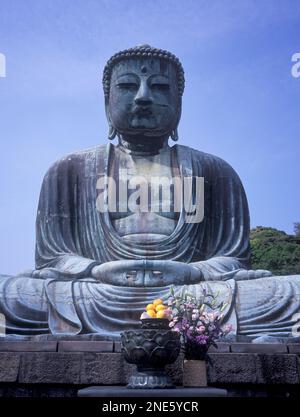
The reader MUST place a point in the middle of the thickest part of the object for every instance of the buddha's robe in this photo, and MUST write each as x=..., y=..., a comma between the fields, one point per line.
x=61, y=297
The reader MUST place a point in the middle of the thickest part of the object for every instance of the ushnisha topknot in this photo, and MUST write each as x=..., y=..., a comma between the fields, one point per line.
x=141, y=51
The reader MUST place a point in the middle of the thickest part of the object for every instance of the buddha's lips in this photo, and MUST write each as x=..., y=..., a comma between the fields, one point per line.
x=142, y=112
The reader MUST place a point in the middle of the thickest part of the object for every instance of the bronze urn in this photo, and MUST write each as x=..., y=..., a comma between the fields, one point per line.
x=151, y=347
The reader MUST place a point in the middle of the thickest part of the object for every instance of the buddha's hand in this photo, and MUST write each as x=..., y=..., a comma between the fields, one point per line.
x=146, y=273
x=244, y=274
x=53, y=273
x=46, y=273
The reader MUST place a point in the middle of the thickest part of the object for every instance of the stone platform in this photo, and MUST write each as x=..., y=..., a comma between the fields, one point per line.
x=61, y=368
x=122, y=391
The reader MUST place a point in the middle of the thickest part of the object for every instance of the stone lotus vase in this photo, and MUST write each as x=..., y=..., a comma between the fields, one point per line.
x=151, y=348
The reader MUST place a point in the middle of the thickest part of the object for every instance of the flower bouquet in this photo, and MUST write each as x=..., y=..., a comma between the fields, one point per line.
x=198, y=320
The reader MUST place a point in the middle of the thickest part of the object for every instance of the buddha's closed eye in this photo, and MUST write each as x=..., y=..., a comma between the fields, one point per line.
x=127, y=86
x=160, y=87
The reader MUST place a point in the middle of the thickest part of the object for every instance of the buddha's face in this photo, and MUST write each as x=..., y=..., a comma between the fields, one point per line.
x=144, y=98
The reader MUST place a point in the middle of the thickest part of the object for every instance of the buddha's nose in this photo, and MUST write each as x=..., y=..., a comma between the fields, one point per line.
x=143, y=96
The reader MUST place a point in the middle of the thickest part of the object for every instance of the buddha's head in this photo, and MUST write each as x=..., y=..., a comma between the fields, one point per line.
x=143, y=87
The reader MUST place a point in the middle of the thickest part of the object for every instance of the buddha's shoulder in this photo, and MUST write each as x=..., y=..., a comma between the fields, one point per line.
x=205, y=159
x=78, y=157
x=84, y=153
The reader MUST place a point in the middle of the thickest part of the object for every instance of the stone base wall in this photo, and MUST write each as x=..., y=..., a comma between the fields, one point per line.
x=61, y=368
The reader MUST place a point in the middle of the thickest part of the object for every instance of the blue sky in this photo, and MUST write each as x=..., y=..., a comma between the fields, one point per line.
x=241, y=101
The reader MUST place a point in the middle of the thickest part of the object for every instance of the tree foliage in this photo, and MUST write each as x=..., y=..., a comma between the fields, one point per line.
x=297, y=229
x=275, y=250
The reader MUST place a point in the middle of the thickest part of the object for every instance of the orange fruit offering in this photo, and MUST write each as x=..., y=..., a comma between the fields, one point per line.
x=157, y=310
x=161, y=314
x=151, y=313
x=157, y=302
x=160, y=307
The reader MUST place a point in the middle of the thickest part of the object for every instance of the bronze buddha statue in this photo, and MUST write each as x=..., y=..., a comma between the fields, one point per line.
x=113, y=231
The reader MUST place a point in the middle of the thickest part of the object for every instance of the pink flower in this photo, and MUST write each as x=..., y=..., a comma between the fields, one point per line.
x=201, y=329
x=170, y=301
x=211, y=316
x=228, y=328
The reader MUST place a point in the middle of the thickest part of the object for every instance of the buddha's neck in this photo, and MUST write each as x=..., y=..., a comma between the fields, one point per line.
x=147, y=146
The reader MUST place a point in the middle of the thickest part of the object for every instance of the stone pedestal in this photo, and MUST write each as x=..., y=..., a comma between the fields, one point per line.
x=118, y=391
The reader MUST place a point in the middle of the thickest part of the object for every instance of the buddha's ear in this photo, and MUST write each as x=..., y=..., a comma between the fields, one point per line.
x=174, y=133
x=112, y=133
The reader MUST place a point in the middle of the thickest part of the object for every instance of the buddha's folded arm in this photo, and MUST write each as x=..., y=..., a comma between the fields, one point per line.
x=60, y=240
x=67, y=266
x=223, y=268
